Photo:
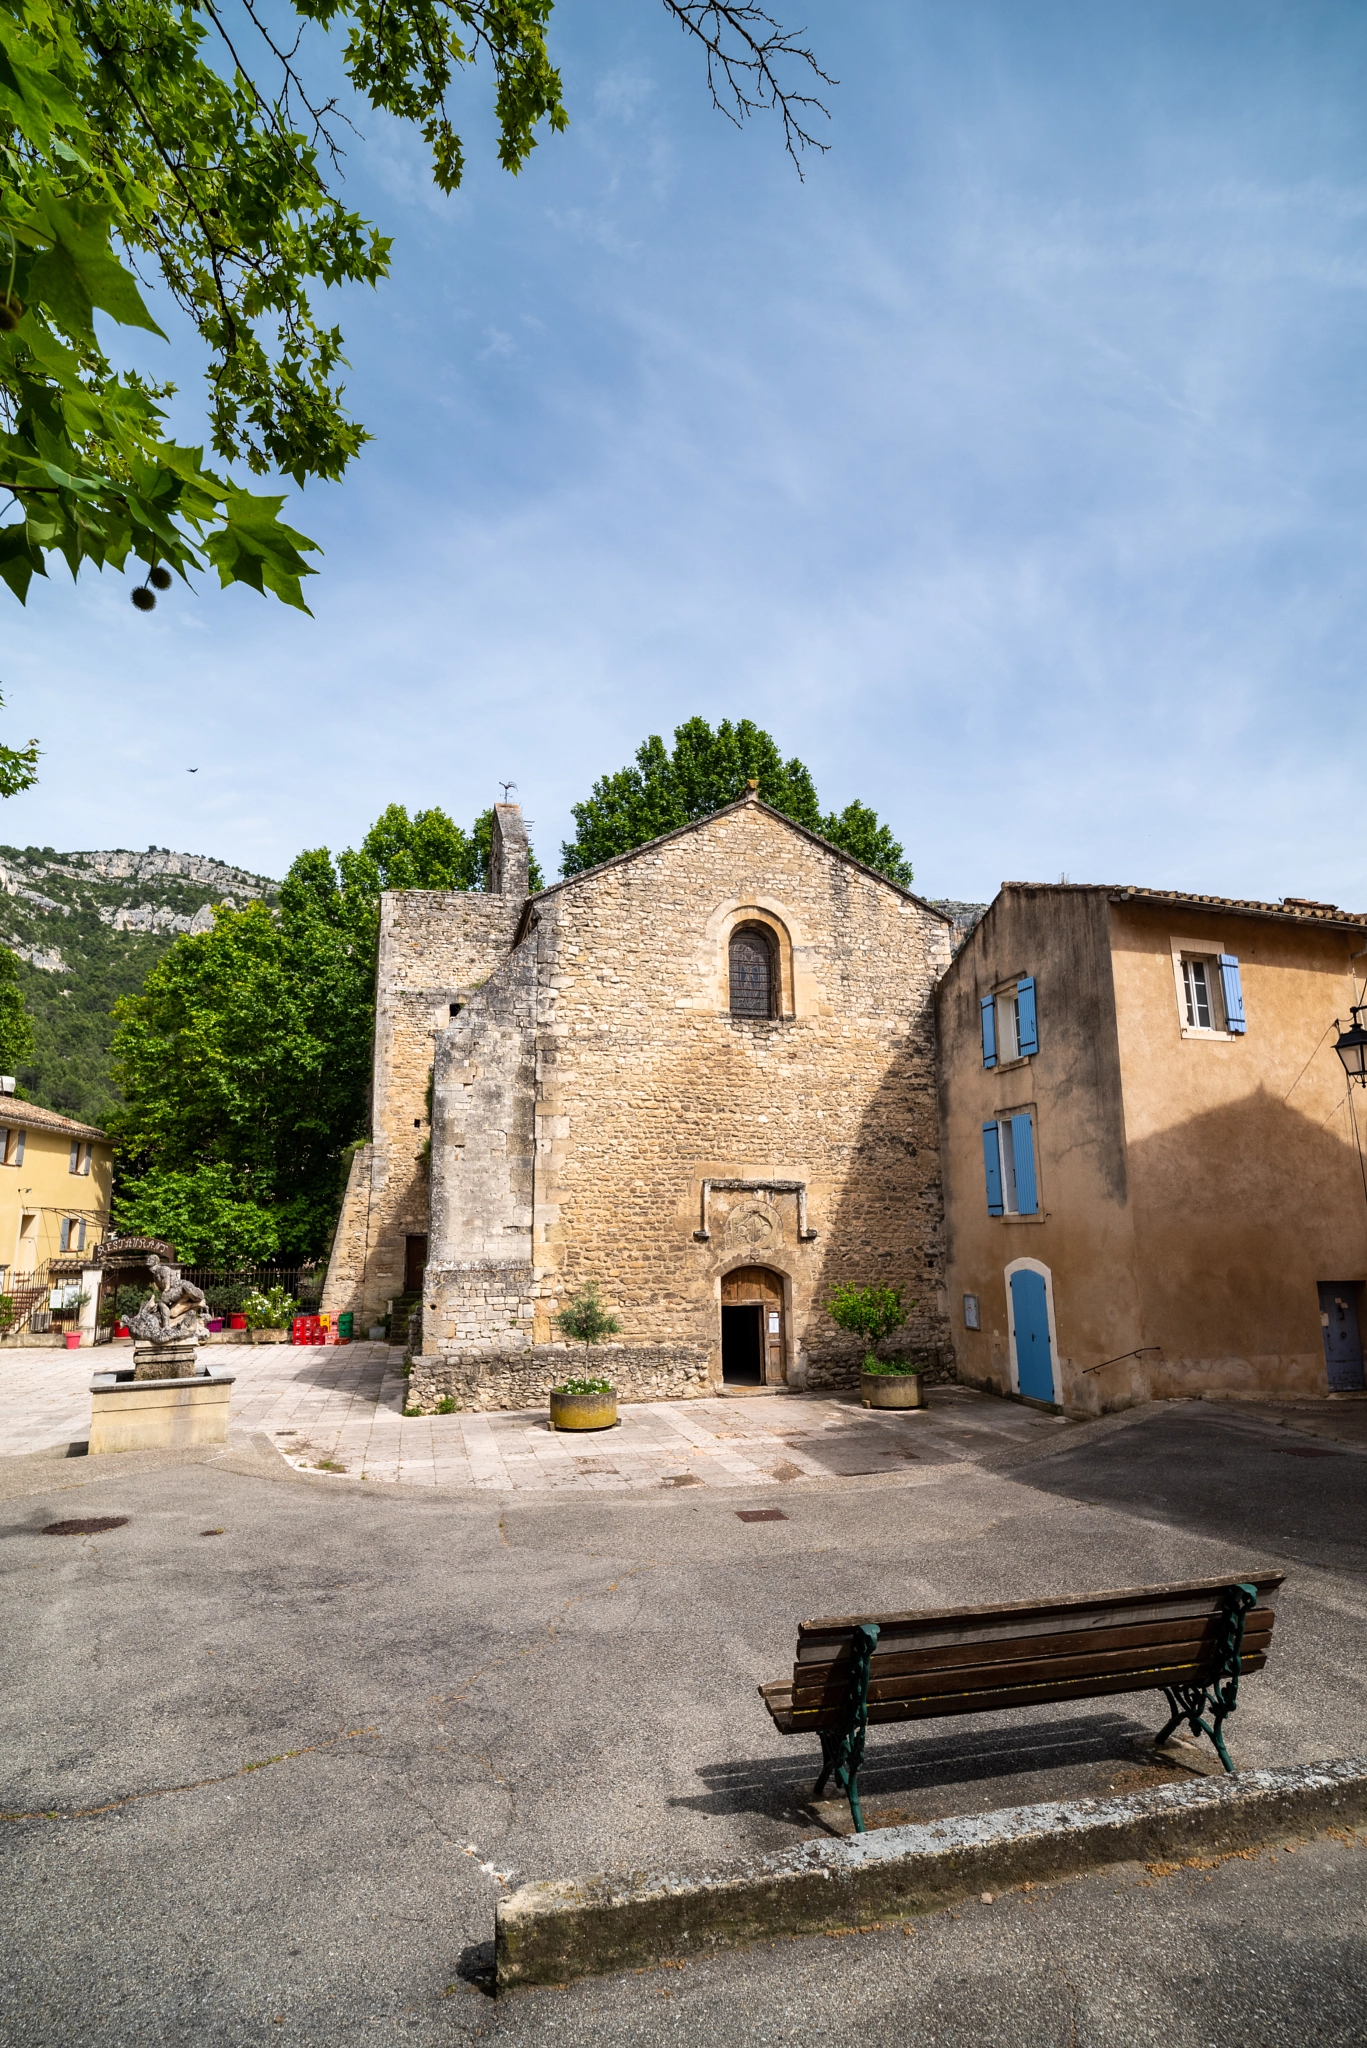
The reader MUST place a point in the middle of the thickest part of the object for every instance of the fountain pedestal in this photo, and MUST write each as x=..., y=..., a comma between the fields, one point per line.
x=166, y=1400
x=128, y=1413
x=173, y=1361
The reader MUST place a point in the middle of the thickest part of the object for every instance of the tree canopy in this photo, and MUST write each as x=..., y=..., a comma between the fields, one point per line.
x=245, y=1061
x=16, y=1030
x=188, y=144
x=702, y=772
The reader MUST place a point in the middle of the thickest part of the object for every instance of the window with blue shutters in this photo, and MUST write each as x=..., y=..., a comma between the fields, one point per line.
x=1210, y=995
x=1010, y=1024
x=1009, y=1165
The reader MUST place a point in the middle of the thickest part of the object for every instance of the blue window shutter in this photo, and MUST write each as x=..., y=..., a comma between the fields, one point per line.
x=19, y=1151
x=64, y=1241
x=1029, y=1029
x=992, y=1167
x=989, y=1010
x=1233, y=990
x=1023, y=1144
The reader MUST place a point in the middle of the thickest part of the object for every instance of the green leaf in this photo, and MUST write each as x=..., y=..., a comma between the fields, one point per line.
x=254, y=546
x=83, y=270
x=20, y=562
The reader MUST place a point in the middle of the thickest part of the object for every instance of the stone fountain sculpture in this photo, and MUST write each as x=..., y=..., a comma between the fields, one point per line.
x=169, y=1327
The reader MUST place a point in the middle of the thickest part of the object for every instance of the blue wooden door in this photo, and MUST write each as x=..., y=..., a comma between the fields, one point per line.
x=1030, y=1315
x=1342, y=1338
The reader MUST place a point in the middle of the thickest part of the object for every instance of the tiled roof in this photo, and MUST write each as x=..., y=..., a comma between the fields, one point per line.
x=13, y=1111
x=1291, y=909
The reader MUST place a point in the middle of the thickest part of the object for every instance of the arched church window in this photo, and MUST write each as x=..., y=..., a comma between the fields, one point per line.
x=752, y=972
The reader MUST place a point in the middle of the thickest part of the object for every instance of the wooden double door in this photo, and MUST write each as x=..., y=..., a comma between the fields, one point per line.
x=752, y=1327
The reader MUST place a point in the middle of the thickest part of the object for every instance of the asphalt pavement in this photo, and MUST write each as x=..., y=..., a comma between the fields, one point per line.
x=273, y=1746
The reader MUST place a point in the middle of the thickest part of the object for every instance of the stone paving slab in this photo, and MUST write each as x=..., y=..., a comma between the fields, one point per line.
x=338, y=1410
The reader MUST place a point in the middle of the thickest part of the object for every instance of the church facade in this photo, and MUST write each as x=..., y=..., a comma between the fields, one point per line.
x=701, y=1076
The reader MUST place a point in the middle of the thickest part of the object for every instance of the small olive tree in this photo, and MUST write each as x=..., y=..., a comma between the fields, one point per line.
x=584, y=1320
x=869, y=1312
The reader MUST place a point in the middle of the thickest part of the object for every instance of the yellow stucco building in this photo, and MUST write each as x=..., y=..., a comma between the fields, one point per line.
x=1154, y=1164
x=55, y=1179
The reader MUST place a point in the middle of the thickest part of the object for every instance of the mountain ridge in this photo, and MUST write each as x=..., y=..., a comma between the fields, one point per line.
x=87, y=926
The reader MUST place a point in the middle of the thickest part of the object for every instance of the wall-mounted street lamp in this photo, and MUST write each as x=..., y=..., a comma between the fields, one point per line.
x=1351, y=1047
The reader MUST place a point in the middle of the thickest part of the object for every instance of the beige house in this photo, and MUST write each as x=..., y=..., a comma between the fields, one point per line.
x=701, y=1075
x=55, y=1180
x=1153, y=1173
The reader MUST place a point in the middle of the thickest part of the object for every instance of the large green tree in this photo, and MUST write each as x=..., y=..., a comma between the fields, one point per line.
x=16, y=1029
x=245, y=1061
x=670, y=787
x=190, y=144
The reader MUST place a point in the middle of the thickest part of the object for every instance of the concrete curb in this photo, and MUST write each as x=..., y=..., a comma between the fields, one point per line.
x=550, y=1932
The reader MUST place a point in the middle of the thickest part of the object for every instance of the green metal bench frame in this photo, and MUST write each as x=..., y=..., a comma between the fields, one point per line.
x=842, y=1749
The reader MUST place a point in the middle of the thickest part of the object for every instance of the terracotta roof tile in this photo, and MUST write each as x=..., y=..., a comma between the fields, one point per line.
x=35, y=1118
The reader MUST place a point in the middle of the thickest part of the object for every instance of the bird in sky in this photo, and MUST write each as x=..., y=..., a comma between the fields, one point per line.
x=192, y=771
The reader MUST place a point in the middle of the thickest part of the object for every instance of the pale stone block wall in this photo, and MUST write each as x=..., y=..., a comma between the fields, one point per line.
x=598, y=1079
x=436, y=948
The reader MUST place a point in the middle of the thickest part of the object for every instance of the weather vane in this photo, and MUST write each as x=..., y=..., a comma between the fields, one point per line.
x=505, y=787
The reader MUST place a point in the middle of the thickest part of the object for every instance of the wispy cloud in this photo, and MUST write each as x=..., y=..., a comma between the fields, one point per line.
x=1012, y=470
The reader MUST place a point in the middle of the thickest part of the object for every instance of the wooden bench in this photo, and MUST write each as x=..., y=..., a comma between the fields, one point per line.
x=1192, y=1642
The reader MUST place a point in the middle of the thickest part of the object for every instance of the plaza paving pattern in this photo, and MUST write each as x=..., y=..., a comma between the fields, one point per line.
x=339, y=1409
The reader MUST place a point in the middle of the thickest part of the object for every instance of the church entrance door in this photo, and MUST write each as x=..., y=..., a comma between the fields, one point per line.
x=752, y=1332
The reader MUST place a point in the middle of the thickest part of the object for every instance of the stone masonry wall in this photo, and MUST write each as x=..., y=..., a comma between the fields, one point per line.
x=639, y=1372
x=436, y=948
x=599, y=1078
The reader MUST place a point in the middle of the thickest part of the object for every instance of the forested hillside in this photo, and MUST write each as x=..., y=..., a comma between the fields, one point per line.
x=87, y=927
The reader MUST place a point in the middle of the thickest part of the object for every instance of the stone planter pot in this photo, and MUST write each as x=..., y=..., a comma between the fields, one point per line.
x=269, y=1336
x=583, y=1411
x=891, y=1390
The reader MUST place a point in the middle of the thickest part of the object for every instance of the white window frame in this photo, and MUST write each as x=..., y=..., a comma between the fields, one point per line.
x=1208, y=952
x=1008, y=1027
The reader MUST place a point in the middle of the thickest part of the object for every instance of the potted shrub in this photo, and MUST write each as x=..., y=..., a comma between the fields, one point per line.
x=873, y=1313
x=891, y=1383
x=74, y=1304
x=585, y=1403
x=268, y=1315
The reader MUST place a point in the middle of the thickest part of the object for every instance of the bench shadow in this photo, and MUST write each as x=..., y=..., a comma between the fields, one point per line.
x=1015, y=1762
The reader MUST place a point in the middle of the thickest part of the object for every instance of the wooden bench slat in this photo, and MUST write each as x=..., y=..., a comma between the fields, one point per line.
x=1103, y=1601
x=938, y=1705
x=1189, y=1656
x=1191, y=1640
x=825, y=1642
x=1100, y=1642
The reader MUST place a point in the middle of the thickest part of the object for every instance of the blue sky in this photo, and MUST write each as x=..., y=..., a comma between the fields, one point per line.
x=1010, y=470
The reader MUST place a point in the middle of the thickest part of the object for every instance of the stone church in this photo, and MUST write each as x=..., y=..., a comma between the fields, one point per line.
x=701, y=1075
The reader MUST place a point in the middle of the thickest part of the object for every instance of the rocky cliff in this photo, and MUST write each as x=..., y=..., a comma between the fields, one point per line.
x=87, y=927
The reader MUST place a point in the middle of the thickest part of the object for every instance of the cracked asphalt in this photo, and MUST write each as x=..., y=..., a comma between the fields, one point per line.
x=271, y=1749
